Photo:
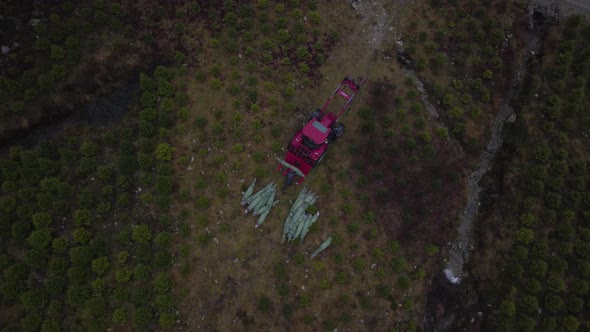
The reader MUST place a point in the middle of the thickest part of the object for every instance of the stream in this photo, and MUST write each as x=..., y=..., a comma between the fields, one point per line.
x=450, y=295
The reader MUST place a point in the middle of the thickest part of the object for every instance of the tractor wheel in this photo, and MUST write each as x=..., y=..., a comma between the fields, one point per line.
x=337, y=131
x=315, y=114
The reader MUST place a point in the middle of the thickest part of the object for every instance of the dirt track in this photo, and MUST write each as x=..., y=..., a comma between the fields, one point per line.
x=562, y=7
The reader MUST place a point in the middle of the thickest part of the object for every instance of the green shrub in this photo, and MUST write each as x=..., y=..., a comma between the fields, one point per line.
x=580, y=287
x=399, y=264
x=54, y=285
x=100, y=265
x=122, y=275
x=50, y=326
x=520, y=253
x=148, y=99
x=574, y=304
x=305, y=300
x=82, y=217
x=507, y=308
x=314, y=17
x=549, y=323
x=142, y=316
x=570, y=323
x=58, y=72
x=34, y=299
x=78, y=275
x=533, y=286
x=57, y=266
x=538, y=268
x=162, y=283
x=162, y=73
x=103, y=208
x=164, y=302
x=525, y=235
x=555, y=284
x=456, y=112
x=182, y=113
x=17, y=106
x=120, y=294
x=141, y=272
x=57, y=53
x=359, y=265
x=166, y=320
x=80, y=256
x=98, y=285
x=31, y=321
x=431, y=250
x=282, y=36
x=7, y=203
x=216, y=83
x=37, y=258
x=96, y=306
x=141, y=233
x=164, y=152
x=77, y=295
x=81, y=235
x=301, y=53
x=526, y=323
x=119, y=316
x=557, y=264
x=163, y=239
x=164, y=184
x=529, y=303
x=40, y=238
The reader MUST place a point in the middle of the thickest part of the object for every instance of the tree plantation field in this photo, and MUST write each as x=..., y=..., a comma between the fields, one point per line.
x=137, y=225
x=543, y=213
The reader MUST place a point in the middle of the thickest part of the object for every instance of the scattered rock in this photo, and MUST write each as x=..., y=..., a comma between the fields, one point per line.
x=354, y=4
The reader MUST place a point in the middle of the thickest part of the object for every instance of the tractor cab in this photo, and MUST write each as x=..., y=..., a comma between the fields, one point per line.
x=315, y=134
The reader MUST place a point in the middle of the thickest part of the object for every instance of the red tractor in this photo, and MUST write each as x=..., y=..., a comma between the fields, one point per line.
x=309, y=146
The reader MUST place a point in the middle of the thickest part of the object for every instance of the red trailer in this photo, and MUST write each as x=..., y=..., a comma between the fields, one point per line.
x=309, y=146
